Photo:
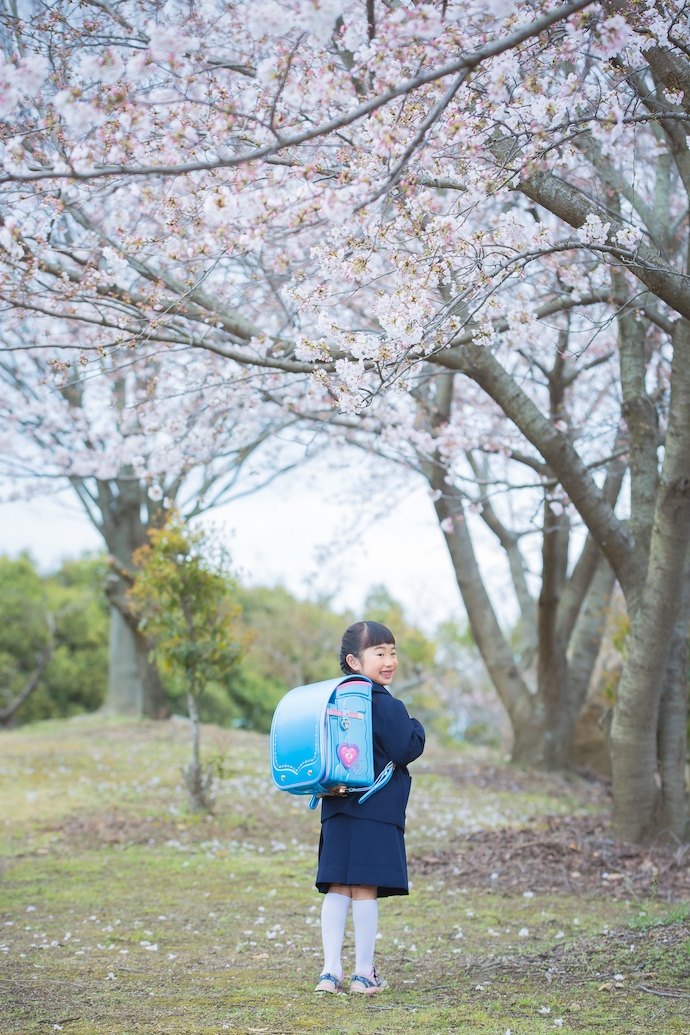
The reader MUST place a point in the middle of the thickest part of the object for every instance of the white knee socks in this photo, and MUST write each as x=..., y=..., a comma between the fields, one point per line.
x=365, y=913
x=333, y=917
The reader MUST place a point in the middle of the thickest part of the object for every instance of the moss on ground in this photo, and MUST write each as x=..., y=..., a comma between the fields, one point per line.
x=122, y=914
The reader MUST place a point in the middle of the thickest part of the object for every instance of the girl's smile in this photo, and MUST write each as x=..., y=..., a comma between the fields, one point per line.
x=376, y=663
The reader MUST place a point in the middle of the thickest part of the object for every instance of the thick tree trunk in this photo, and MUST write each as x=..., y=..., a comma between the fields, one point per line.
x=672, y=739
x=134, y=687
x=672, y=732
x=584, y=650
x=635, y=717
x=551, y=659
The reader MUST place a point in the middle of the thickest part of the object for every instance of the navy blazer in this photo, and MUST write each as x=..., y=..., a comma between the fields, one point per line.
x=397, y=738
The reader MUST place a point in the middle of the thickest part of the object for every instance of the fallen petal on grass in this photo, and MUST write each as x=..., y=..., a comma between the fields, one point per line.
x=120, y=857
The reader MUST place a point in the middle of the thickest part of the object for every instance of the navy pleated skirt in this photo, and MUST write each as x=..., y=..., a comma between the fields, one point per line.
x=362, y=851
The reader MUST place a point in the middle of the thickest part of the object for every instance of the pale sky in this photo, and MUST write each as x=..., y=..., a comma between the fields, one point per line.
x=333, y=527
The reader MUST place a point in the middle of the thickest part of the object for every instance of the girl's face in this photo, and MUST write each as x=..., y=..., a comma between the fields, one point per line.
x=376, y=663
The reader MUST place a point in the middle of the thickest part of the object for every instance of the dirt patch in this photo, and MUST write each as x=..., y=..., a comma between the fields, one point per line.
x=587, y=786
x=578, y=856
x=114, y=827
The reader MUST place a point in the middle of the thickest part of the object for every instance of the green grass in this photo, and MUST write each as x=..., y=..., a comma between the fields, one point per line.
x=96, y=844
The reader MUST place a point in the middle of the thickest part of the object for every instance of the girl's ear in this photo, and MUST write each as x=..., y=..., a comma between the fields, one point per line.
x=354, y=663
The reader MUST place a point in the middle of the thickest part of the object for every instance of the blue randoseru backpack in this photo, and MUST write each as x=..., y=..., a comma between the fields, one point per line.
x=322, y=740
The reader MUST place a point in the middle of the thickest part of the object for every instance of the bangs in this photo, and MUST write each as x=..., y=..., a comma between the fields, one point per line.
x=374, y=635
x=360, y=636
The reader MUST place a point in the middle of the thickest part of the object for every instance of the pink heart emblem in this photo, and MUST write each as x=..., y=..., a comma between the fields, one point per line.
x=348, y=753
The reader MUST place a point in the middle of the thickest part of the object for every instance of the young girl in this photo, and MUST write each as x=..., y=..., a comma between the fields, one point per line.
x=362, y=849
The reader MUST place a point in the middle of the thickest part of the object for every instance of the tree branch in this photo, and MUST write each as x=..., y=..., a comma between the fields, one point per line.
x=570, y=205
x=596, y=511
x=578, y=584
x=467, y=61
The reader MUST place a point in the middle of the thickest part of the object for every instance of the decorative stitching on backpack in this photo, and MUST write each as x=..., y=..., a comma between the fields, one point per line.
x=289, y=768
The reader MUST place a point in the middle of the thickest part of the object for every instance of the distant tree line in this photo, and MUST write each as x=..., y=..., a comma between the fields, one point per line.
x=288, y=642
x=54, y=634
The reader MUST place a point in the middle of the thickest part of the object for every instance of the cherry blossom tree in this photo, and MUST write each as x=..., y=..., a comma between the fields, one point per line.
x=542, y=678
x=134, y=436
x=349, y=193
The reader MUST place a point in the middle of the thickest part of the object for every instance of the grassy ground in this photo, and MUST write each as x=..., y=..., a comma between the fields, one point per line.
x=119, y=913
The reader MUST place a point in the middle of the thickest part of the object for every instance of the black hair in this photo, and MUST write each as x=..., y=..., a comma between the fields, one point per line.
x=360, y=636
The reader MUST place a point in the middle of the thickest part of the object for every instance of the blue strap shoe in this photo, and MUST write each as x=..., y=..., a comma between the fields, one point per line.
x=329, y=983
x=368, y=985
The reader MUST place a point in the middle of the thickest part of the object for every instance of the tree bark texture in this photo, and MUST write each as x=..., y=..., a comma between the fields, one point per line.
x=635, y=717
x=672, y=731
x=640, y=415
x=134, y=686
x=551, y=664
x=649, y=555
x=584, y=649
